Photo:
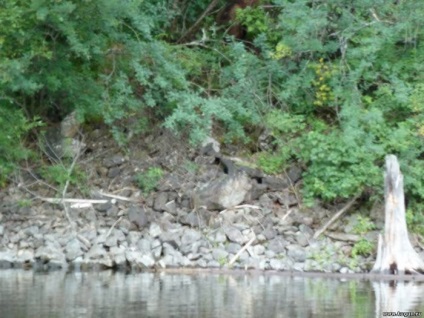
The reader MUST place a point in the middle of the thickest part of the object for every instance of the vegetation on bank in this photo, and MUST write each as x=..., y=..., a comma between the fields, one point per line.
x=337, y=85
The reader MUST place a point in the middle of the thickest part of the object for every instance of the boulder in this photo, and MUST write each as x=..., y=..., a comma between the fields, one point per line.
x=224, y=192
x=138, y=216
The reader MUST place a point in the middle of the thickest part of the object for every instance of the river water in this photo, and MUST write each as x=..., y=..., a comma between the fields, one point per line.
x=107, y=294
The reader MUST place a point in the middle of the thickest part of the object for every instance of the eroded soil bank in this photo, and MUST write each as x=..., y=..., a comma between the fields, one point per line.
x=208, y=210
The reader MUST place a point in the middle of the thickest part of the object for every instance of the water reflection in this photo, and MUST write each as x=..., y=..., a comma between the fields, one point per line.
x=106, y=294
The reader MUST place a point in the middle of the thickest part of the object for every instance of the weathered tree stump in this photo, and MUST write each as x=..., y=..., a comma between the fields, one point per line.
x=395, y=254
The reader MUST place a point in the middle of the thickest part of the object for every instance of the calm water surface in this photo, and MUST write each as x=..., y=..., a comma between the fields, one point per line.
x=107, y=294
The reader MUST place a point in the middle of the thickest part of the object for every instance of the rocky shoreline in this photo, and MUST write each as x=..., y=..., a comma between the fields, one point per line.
x=126, y=236
x=207, y=212
x=281, y=245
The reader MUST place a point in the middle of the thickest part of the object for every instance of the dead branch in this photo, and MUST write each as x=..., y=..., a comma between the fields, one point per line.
x=193, y=29
x=245, y=247
x=336, y=216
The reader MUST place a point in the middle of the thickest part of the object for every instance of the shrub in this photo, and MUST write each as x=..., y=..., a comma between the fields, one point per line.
x=149, y=180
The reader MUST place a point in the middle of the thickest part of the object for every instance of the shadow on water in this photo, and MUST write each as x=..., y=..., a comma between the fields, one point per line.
x=107, y=294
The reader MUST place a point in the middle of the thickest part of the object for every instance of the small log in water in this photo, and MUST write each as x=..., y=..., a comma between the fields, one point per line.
x=395, y=254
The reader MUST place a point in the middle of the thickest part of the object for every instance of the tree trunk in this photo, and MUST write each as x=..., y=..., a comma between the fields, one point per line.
x=395, y=254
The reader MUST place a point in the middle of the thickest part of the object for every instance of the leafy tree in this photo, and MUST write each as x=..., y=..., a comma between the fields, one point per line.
x=339, y=84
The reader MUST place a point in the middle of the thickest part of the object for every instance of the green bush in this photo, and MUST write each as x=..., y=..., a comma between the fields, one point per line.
x=12, y=149
x=362, y=247
x=58, y=175
x=339, y=85
x=149, y=180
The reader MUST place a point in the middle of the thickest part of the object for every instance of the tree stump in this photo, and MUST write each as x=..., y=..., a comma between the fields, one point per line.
x=395, y=254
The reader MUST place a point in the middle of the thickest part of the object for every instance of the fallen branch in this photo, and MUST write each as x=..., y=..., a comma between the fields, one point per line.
x=336, y=216
x=114, y=196
x=245, y=247
x=65, y=200
x=113, y=226
x=287, y=214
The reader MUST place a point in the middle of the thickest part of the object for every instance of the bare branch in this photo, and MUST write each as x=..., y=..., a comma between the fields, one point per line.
x=193, y=29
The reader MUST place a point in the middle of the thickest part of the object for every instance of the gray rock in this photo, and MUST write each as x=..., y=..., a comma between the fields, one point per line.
x=144, y=245
x=133, y=257
x=113, y=211
x=305, y=229
x=264, y=265
x=335, y=267
x=269, y=233
x=51, y=255
x=7, y=258
x=69, y=126
x=1, y=230
x=288, y=199
x=32, y=231
x=213, y=264
x=302, y=239
x=133, y=237
x=202, y=263
x=266, y=202
x=136, y=259
x=233, y=248
x=258, y=189
x=73, y=249
x=222, y=193
x=270, y=254
x=111, y=240
x=113, y=172
x=103, y=207
x=156, y=249
x=193, y=248
x=113, y=161
x=194, y=256
x=276, y=264
x=118, y=256
x=312, y=266
x=147, y=261
x=210, y=147
x=138, y=216
x=171, y=207
x=275, y=183
x=298, y=266
x=97, y=255
x=345, y=270
x=155, y=230
x=219, y=255
x=160, y=201
x=25, y=256
x=277, y=245
x=168, y=249
x=218, y=236
x=258, y=249
x=252, y=263
x=190, y=236
x=294, y=174
x=173, y=261
x=172, y=238
x=261, y=238
x=193, y=219
x=296, y=252
x=234, y=235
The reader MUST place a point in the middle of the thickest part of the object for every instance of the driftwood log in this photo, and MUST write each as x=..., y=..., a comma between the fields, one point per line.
x=395, y=254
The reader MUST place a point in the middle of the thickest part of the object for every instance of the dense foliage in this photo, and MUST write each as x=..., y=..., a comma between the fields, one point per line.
x=338, y=84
